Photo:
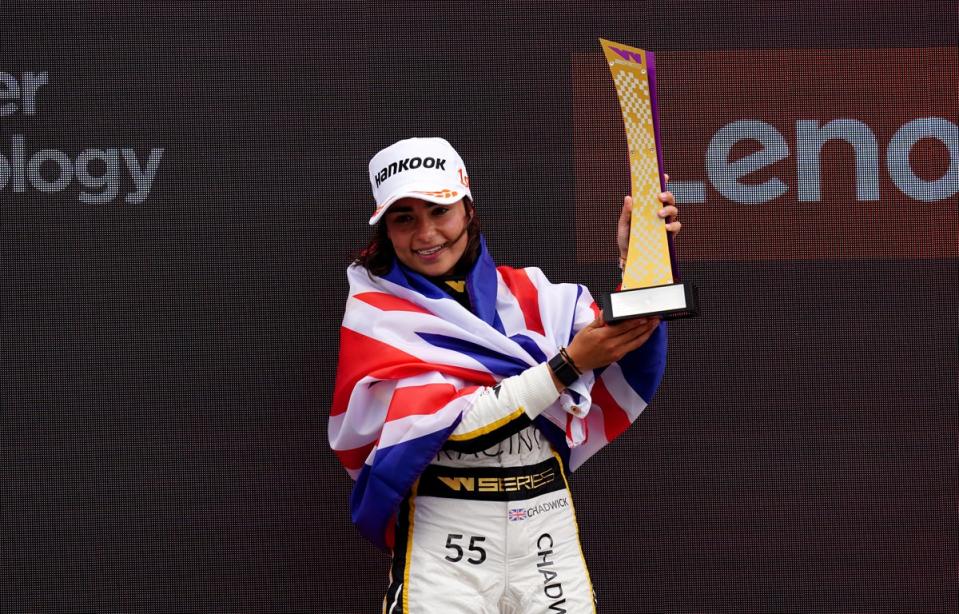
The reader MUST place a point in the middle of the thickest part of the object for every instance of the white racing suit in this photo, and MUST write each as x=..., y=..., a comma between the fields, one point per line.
x=433, y=416
x=489, y=527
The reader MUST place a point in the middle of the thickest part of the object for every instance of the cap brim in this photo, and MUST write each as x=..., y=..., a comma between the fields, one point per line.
x=440, y=196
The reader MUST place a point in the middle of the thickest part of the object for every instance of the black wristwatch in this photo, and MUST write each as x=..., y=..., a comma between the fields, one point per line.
x=564, y=372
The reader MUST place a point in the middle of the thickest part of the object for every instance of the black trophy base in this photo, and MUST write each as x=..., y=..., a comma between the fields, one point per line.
x=669, y=302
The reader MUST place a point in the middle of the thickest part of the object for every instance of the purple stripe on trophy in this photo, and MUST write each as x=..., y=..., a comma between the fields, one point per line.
x=654, y=105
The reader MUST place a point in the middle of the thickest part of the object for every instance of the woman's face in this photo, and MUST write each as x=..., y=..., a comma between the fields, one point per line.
x=427, y=237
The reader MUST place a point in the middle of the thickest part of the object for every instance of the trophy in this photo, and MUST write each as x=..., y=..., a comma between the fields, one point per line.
x=651, y=283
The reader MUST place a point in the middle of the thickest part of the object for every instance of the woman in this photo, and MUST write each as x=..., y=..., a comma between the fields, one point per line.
x=465, y=393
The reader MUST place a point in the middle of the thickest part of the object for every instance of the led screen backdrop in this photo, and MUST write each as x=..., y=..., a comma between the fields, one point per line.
x=182, y=186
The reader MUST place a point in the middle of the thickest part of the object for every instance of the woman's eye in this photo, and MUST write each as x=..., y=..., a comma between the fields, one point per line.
x=440, y=210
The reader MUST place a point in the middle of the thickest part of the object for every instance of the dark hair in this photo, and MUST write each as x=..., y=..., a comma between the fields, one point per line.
x=378, y=255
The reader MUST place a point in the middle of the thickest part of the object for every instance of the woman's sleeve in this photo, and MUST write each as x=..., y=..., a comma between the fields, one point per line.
x=504, y=409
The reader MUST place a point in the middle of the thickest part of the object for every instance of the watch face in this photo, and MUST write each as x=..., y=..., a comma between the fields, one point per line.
x=563, y=370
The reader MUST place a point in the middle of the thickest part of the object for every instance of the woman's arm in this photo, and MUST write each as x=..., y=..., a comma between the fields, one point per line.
x=504, y=409
x=511, y=405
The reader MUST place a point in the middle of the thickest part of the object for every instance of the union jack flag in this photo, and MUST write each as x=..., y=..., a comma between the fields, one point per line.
x=412, y=360
x=517, y=514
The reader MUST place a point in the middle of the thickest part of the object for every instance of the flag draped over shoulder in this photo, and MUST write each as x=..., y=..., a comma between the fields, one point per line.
x=412, y=360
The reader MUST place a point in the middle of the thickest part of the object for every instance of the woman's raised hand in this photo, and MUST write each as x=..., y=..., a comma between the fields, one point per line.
x=669, y=212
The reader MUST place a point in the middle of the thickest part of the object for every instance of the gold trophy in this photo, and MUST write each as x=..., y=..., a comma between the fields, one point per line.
x=651, y=284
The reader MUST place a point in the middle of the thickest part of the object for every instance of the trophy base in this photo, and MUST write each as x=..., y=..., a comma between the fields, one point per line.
x=669, y=302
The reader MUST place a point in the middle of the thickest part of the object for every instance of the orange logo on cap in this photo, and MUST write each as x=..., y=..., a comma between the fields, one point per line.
x=439, y=193
x=464, y=178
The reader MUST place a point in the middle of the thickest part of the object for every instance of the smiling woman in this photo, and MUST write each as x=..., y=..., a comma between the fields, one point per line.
x=383, y=249
x=429, y=238
x=406, y=183
x=460, y=419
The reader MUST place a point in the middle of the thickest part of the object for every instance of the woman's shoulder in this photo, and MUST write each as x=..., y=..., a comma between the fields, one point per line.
x=534, y=274
x=530, y=271
x=534, y=279
x=522, y=276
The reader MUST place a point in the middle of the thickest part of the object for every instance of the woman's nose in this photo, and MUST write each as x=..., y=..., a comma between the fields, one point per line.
x=425, y=228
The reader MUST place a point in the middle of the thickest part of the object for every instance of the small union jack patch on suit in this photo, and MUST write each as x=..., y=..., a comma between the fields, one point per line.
x=517, y=514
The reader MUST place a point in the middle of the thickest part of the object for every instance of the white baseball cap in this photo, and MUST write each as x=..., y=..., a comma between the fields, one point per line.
x=425, y=168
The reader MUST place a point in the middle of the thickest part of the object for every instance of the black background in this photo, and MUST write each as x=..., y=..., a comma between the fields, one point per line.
x=168, y=366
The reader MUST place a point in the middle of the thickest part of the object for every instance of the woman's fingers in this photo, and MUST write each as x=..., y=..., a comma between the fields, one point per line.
x=636, y=327
x=670, y=213
x=627, y=327
x=636, y=337
x=626, y=336
x=622, y=227
x=627, y=211
x=598, y=322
